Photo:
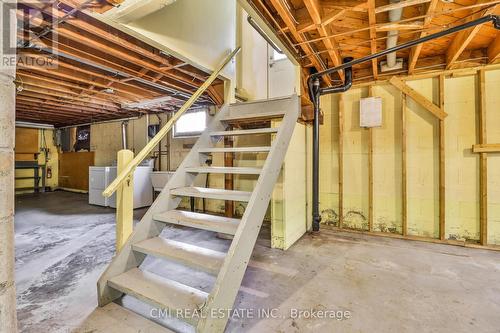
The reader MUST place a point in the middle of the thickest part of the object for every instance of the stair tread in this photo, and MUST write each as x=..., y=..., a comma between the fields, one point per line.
x=211, y=193
x=158, y=291
x=246, y=132
x=230, y=170
x=254, y=116
x=214, y=223
x=191, y=255
x=235, y=149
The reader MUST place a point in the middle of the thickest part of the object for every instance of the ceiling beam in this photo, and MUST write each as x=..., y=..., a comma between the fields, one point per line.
x=23, y=81
x=315, y=11
x=464, y=37
x=58, y=81
x=44, y=100
x=283, y=12
x=494, y=49
x=81, y=74
x=416, y=25
x=397, y=5
x=100, y=59
x=415, y=51
x=328, y=18
x=49, y=111
x=68, y=98
x=372, y=21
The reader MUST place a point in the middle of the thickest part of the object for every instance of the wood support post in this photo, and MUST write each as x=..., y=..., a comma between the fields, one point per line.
x=486, y=148
x=124, y=201
x=442, y=164
x=228, y=178
x=404, y=191
x=483, y=164
x=370, y=170
x=341, y=160
x=8, y=321
x=417, y=97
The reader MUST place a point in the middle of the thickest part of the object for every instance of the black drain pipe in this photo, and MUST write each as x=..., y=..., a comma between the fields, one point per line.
x=315, y=92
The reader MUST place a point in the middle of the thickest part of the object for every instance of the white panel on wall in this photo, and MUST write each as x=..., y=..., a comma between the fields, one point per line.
x=370, y=112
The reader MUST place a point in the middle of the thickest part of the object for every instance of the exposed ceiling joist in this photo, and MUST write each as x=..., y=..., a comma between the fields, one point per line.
x=463, y=38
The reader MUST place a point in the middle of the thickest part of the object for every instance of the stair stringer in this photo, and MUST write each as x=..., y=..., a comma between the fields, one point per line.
x=147, y=228
x=235, y=263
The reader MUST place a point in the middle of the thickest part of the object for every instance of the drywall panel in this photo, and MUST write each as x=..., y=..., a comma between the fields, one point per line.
x=288, y=204
x=387, y=166
x=493, y=136
x=462, y=166
x=201, y=32
x=355, y=145
x=422, y=164
x=252, y=61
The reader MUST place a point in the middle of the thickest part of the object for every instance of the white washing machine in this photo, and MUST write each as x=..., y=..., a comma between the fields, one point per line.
x=101, y=177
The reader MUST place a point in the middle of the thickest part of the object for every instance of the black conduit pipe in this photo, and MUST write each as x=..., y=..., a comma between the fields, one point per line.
x=315, y=92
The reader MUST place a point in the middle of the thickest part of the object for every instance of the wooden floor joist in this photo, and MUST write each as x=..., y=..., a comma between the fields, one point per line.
x=354, y=28
x=101, y=63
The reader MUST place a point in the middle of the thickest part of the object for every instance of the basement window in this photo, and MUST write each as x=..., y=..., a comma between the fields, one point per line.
x=192, y=123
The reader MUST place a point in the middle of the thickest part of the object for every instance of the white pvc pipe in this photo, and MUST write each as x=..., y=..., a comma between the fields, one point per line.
x=392, y=36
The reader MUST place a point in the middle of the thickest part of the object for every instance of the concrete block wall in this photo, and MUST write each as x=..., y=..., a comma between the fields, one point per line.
x=387, y=167
x=422, y=135
x=462, y=178
x=422, y=163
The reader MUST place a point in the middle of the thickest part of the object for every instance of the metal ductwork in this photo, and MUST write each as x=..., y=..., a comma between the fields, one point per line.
x=392, y=40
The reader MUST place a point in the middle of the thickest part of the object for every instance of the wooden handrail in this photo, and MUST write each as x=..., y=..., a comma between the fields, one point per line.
x=161, y=134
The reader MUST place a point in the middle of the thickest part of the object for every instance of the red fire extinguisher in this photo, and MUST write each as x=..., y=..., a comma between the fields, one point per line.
x=49, y=172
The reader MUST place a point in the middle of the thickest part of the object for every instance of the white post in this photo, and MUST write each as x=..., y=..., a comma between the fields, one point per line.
x=8, y=321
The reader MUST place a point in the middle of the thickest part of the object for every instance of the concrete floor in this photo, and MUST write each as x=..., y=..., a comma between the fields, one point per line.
x=382, y=284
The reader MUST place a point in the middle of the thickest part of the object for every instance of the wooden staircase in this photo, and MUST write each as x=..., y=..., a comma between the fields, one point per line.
x=123, y=275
